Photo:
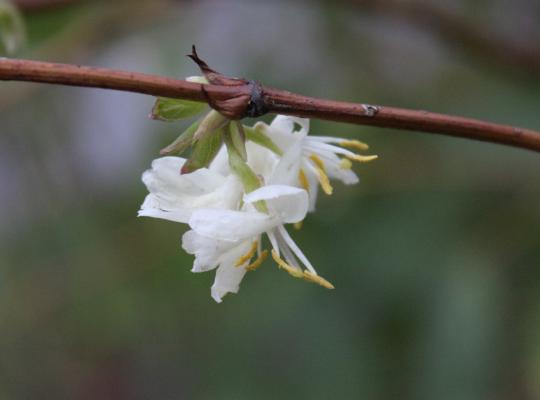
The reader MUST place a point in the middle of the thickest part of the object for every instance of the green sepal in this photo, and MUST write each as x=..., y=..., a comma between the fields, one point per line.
x=257, y=135
x=204, y=151
x=211, y=122
x=12, y=30
x=238, y=139
x=243, y=171
x=182, y=142
x=166, y=109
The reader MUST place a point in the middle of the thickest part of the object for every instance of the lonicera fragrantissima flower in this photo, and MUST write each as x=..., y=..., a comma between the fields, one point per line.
x=244, y=191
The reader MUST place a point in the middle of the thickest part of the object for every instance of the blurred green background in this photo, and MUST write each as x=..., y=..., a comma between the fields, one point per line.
x=435, y=255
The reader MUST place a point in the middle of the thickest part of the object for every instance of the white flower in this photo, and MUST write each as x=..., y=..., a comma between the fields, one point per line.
x=174, y=196
x=284, y=165
x=311, y=160
x=229, y=239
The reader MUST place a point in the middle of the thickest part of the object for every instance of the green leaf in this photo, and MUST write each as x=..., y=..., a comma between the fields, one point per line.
x=238, y=139
x=182, y=142
x=12, y=31
x=166, y=109
x=210, y=123
x=204, y=151
x=257, y=135
x=243, y=171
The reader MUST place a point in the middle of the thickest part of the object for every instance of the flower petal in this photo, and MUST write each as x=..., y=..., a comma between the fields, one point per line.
x=208, y=252
x=228, y=276
x=286, y=170
x=174, y=196
x=285, y=123
x=289, y=203
x=231, y=225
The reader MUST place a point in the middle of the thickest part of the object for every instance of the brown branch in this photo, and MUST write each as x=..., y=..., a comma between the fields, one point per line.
x=275, y=101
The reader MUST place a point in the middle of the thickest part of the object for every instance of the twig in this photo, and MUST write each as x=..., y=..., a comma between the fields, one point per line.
x=275, y=101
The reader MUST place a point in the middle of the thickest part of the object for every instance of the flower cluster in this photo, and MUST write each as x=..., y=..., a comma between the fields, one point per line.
x=232, y=196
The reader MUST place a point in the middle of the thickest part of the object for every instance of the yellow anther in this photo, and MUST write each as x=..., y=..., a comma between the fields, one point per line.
x=304, y=183
x=298, y=225
x=354, y=144
x=317, y=160
x=297, y=273
x=311, y=277
x=359, y=158
x=246, y=257
x=255, y=264
x=345, y=163
x=321, y=174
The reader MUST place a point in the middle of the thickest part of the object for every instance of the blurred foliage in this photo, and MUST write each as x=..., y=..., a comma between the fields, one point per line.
x=12, y=31
x=435, y=255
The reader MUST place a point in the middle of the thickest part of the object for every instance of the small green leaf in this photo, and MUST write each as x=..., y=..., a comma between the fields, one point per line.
x=209, y=124
x=243, y=171
x=258, y=135
x=12, y=31
x=182, y=142
x=238, y=139
x=204, y=151
x=166, y=109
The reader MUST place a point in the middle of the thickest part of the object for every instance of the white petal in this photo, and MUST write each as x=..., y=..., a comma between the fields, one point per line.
x=220, y=164
x=174, y=196
x=231, y=225
x=208, y=252
x=289, y=203
x=228, y=276
x=179, y=215
x=286, y=171
x=286, y=123
x=164, y=178
x=261, y=160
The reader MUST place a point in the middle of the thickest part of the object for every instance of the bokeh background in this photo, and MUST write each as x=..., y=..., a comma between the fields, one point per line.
x=435, y=255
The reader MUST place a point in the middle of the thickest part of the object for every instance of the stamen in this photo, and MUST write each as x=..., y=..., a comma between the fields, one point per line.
x=304, y=183
x=354, y=144
x=290, y=245
x=256, y=264
x=321, y=174
x=311, y=277
x=297, y=273
x=246, y=257
x=317, y=160
x=298, y=225
x=345, y=164
x=359, y=158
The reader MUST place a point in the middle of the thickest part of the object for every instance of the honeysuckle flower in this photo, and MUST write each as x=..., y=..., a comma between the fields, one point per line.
x=229, y=239
x=232, y=196
x=175, y=197
x=311, y=160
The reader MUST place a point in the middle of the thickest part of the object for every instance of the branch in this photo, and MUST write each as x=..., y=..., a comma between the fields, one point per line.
x=274, y=101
